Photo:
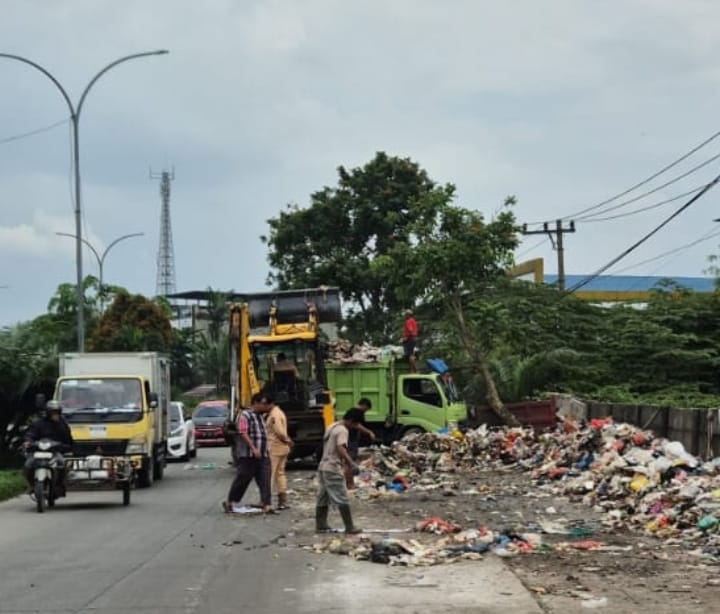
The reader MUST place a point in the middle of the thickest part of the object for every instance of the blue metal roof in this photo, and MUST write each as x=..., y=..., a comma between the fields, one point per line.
x=633, y=283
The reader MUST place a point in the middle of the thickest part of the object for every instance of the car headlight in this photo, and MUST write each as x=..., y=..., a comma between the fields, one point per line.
x=137, y=445
x=176, y=432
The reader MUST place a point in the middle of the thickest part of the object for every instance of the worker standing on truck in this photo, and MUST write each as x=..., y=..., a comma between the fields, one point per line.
x=253, y=460
x=357, y=429
x=409, y=339
x=331, y=476
x=279, y=443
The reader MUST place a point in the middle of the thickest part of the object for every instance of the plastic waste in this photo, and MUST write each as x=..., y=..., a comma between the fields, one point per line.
x=707, y=522
x=639, y=483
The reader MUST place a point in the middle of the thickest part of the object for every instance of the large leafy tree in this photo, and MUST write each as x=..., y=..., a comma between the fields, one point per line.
x=454, y=261
x=133, y=323
x=27, y=367
x=346, y=234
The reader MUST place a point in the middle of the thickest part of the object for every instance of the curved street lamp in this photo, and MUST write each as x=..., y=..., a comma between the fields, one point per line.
x=75, y=119
x=101, y=258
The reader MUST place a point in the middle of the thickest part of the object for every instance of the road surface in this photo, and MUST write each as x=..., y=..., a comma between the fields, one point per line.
x=172, y=550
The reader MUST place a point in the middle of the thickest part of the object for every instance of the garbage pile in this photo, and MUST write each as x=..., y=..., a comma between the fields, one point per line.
x=342, y=351
x=630, y=476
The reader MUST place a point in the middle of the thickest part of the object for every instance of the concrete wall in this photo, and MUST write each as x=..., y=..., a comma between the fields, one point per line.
x=697, y=429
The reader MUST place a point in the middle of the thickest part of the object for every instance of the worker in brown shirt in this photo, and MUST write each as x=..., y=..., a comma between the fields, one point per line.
x=279, y=444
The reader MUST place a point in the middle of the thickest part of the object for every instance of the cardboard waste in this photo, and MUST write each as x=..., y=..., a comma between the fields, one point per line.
x=632, y=478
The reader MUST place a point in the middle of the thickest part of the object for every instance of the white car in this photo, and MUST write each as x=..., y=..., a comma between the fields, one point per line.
x=181, y=441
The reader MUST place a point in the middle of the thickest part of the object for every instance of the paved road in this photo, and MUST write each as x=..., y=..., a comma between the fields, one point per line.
x=172, y=550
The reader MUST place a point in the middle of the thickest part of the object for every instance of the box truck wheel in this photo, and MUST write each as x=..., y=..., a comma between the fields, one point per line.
x=159, y=468
x=145, y=475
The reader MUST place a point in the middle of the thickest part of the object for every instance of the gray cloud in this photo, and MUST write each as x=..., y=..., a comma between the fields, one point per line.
x=562, y=103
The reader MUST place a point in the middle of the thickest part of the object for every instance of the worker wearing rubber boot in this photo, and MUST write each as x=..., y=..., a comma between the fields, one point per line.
x=331, y=475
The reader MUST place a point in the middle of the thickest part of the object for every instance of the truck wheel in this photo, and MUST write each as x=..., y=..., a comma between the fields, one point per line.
x=159, y=468
x=126, y=494
x=145, y=475
x=411, y=431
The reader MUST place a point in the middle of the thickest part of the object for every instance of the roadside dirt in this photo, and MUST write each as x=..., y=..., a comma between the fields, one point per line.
x=623, y=571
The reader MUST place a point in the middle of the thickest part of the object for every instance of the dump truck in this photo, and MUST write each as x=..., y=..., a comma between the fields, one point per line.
x=276, y=347
x=116, y=404
x=402, y=403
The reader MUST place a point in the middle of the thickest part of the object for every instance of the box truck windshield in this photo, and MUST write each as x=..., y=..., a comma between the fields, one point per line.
x=101, y=400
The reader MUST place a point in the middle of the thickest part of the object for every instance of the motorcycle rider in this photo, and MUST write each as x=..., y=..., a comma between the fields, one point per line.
x=51, y=426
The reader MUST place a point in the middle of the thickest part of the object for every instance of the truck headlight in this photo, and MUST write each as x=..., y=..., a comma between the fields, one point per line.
x=137, y=445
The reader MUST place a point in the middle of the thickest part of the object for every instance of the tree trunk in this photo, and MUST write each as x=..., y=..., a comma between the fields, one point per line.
x=476, y=355
x=493, y=398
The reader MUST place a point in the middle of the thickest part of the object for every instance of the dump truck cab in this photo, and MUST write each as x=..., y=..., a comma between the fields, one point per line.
x=402, y=402
x=276, y=347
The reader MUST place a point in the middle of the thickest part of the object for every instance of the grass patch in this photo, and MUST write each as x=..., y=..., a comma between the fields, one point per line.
x=12, y=483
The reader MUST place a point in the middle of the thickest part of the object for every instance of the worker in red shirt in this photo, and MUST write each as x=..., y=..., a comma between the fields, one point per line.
x=409, y=338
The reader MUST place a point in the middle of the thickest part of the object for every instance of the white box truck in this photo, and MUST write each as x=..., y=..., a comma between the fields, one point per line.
x=116, y=404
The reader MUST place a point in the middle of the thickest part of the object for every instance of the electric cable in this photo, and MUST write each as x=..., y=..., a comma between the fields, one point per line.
x=529, y=249
x=706, y=237
x=24, y=135
x=641, y=183
x=642, y=240
x=591, y=219
x=657, y=189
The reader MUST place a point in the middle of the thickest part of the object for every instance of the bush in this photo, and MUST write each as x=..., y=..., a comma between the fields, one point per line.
x=12, y=483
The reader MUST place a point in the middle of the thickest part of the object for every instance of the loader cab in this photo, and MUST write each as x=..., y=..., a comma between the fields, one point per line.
x=291, y=371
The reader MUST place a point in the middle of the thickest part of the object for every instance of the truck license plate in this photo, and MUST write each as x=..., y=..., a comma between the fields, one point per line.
x=98, y=431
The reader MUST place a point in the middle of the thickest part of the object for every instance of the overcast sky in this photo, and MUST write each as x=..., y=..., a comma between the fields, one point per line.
x=563, y=103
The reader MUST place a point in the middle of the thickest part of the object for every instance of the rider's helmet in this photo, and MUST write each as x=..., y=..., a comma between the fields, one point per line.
x=51, y=407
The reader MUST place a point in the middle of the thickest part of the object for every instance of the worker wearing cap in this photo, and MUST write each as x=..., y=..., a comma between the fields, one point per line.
x=409, y=338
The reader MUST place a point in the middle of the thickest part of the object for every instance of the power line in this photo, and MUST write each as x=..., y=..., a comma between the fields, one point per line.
x=638, y=243
x=706, y=237
x=590, y=220
x=658, y=188
x=24, y=135
x=643, y=182
x=529, y=249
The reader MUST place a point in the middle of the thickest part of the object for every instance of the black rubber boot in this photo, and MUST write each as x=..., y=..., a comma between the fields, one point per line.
x=321, y=520
x=350, y=528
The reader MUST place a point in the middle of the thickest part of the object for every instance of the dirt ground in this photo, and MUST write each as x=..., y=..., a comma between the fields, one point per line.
x=632, y=572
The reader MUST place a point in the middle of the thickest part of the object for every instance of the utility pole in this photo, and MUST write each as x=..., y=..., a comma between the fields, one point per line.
x=556, y=238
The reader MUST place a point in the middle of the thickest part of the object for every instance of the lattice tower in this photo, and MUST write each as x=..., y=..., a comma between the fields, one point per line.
x=166, y=255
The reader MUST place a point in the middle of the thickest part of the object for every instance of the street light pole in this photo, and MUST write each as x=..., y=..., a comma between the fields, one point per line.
x=75, y=119
x=101, y=258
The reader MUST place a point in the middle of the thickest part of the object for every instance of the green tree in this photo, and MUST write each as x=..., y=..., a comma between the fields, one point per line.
x=346, y=234
x=454, y=261
x=59, y=325
x=212, y=361
x=27, y=367
x=132, y=323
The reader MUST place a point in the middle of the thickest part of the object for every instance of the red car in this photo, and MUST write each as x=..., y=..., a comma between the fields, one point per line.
x=209, y=418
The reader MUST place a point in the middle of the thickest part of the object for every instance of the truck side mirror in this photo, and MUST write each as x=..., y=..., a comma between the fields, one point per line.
x=40, y=401
x=153, y=400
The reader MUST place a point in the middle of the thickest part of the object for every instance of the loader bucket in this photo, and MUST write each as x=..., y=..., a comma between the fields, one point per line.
x=292, y=305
